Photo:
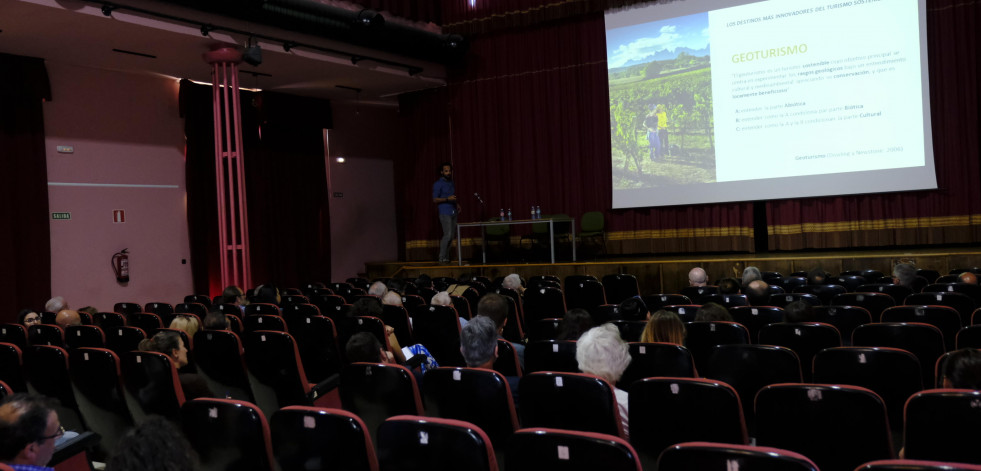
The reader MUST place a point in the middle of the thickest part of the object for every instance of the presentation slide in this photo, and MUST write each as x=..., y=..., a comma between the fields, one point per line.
x=743, y=101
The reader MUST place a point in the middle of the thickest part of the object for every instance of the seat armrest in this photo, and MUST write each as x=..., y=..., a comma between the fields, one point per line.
x=415, y=361
x=324, y=386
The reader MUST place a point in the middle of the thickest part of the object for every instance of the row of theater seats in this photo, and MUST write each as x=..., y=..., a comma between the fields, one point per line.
x=800, y=426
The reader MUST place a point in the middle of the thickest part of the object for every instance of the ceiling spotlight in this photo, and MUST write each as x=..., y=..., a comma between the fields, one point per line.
x=206, y=29
x=340, y=160
x=107, y=9
x=288, y=45
x=370, y=18
x=356, y=59
x=252, y=54
x=414, y=71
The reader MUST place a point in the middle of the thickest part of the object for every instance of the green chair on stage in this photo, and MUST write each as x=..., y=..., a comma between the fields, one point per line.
x=592, y=228
x=498, y=236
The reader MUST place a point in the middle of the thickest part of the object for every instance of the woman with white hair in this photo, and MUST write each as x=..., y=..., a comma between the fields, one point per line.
x=442, y=298
x=513, y=281
x=601, y=352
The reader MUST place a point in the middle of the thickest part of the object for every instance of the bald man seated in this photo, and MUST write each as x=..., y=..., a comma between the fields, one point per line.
x=758, y=293
x=29, y=427
x=968, y=277
x=67, y=317
x=697, y=277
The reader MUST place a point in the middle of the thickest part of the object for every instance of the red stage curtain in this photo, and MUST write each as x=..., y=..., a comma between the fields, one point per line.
x=25, y=242
x=950, y=214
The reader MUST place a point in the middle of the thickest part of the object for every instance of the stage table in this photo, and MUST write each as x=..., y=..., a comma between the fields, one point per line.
x=483, y=234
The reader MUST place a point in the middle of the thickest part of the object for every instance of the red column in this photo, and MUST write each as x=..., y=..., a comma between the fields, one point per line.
x=233, y=221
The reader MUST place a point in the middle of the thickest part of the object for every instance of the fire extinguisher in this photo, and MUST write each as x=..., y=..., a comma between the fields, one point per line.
x=120, y=265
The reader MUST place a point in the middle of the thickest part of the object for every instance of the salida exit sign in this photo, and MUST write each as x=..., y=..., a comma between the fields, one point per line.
x=61, y=215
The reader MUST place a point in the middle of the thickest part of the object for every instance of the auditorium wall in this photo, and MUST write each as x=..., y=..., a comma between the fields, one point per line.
x=128, y=155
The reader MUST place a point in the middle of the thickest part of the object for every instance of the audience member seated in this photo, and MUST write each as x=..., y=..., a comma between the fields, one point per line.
x=799, y=311
x=396, y=285
x=601, y=352
x=712, y=312
x=817, y=276
x=478, y=344
x=633, y=308
x=751, y=274
x=170, y=344
x=392, y=298
x=758, y=293
x=188, y=324
x=365, y=307
x=27, y=318
x=56, y=304
x=968, y=277
x=697, y=277
x=29, y=427
x=664, y=326
x=513, y=281
x=67, y=317
x=364, y=347
x=377, y=289
x=268, y=294
x=495, y=307
x=372, y=307
x=575, y=323
x=963, y=369
x=154, y=445
x=234, y=295
x=215, y=320
x=424, y=281
x=905, y=274
x=442, y=298
x=728, y=286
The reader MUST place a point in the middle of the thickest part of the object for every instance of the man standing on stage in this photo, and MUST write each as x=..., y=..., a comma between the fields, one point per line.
x=444, y=195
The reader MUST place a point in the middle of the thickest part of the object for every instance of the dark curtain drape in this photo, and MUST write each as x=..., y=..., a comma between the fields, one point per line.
x=952, y=213
x=25, y=242
x=526, y=122
x=286, y=189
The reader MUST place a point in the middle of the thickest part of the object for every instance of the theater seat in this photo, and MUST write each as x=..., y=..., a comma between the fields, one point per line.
x=228, y=435
x=941, y=424
x=804, y=417
x=571, y=401
x=714, y=456
x=315, y=438
x=414, y=443
x=537, y=449
x=376, y=391
x=697, y=409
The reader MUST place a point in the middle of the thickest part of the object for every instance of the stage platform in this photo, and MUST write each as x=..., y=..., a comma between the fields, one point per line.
x=669, y=273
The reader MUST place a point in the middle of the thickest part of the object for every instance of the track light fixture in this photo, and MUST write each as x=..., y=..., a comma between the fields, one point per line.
x=206, y=29
x=288, y=45
x=252, y=54
x=356, y=59
x=107, y=9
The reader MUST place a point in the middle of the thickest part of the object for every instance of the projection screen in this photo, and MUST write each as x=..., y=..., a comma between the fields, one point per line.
x=720, y=101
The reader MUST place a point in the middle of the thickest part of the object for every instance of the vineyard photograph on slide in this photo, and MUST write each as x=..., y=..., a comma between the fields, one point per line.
x=661, y=103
